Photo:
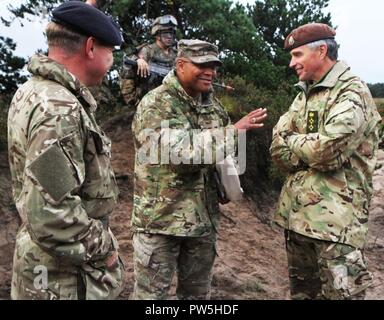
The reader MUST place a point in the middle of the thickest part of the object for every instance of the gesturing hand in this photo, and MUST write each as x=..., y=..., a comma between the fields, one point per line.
x=252, y=120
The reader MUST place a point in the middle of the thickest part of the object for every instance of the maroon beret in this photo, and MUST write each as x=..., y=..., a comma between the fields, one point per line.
x=308, y=33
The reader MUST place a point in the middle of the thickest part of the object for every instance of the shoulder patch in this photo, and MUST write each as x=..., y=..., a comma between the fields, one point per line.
x=52, y=170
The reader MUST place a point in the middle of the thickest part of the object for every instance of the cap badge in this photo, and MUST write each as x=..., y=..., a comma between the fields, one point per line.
x=291, y=41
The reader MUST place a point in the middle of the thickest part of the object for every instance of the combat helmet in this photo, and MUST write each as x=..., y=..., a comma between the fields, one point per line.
x=164, y=23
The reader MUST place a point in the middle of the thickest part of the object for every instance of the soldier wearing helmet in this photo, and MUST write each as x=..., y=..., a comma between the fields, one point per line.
x=135, y=82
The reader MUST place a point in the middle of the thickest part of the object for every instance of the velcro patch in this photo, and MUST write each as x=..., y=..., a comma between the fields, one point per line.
x=52, y=170
x=312, y=122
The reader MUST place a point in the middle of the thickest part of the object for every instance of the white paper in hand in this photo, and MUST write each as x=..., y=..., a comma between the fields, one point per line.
x=230, y=179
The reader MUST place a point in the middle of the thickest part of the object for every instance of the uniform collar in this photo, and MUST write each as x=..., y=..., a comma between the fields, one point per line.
x=41, y=65
x=329, y=80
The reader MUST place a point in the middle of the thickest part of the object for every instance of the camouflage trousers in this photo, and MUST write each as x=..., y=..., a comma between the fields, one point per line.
x=325, y=270
x=37, y=275
x=158, y=257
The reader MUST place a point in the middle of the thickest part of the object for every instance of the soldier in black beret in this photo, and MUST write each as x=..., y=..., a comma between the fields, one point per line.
x=63, y=182
x=76, y=24
x=89, y=21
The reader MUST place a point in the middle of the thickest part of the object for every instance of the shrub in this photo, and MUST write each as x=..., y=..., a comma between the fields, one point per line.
x=260, y=175
x=4, y=105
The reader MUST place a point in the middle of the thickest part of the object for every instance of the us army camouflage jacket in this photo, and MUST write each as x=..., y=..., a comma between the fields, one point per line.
x=133, y=88
x=327, y=142
x=63, y=184
x=176, y=199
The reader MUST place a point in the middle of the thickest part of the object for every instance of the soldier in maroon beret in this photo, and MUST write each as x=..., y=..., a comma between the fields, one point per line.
x=327, y=142
x=301, y=42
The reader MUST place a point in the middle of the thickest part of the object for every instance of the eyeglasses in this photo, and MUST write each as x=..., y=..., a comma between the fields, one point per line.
x=168, y=19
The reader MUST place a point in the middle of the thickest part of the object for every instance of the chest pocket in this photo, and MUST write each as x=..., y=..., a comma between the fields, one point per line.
x=208, y=118
x=99, y=189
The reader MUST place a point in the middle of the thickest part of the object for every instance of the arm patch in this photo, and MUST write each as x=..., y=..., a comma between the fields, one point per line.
x=52, y=170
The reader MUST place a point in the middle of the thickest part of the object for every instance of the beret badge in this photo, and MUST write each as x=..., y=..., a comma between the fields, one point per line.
x=291, y=41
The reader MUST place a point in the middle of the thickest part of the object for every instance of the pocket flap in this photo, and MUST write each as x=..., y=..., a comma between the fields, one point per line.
x=102, y=143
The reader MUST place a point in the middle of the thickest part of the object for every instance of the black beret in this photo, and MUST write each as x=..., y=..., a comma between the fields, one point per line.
x=88, y=20
x=308, y=33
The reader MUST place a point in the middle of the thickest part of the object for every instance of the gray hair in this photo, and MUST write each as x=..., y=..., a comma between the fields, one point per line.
x=331, y=44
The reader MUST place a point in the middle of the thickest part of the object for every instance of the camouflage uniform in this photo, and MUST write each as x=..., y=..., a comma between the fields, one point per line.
x=176, y=210
x=327, y=142
x=133, y=87
x=63, y=187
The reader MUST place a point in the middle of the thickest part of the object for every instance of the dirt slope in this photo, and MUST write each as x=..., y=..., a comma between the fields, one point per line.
x=251, y=262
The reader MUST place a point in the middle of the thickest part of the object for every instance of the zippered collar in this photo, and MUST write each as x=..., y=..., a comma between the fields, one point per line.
x=41, y=65
x=329, y=81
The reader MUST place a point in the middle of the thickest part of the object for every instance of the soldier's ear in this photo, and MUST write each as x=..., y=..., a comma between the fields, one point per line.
x=180, y=65
x=323, y=51
x=89, y=47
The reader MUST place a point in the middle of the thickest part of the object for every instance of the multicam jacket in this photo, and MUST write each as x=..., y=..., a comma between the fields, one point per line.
x=177, y=198
x=63, y=187
x=153, y=53
x=133, y=88
x=327, y=142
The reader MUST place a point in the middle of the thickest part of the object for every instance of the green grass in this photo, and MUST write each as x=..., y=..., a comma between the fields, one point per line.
x=380, y=105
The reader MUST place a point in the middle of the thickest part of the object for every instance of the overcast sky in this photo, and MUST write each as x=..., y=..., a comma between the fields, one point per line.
x=359, y=33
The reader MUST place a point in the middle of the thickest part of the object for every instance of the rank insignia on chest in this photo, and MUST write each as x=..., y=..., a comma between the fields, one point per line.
x=312, y=122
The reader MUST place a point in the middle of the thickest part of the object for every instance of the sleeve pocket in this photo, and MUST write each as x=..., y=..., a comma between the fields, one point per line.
x=54, y=173
x=102, y=143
